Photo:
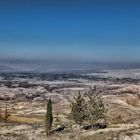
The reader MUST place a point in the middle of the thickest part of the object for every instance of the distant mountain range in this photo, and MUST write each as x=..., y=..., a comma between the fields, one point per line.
x=53, y=66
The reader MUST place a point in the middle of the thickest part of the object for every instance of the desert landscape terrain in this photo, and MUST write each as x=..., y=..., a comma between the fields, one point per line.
x=25, y=96
x=69, y=69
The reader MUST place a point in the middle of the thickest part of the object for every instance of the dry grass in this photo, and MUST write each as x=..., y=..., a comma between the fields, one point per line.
x=100, y=136
x=132, y=100
x=24, y=120
x=117, y=120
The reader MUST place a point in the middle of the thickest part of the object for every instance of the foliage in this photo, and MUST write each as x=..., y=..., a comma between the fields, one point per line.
x=6, y=115
x=78, y=107
x=0, y=115
x=89, y=107
x=95, y=106
x=49, y=118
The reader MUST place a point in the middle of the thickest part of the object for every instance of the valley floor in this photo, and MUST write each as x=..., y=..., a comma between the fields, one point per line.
x=25, y=98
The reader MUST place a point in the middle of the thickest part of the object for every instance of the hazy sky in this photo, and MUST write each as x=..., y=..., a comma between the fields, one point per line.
x=103, y=30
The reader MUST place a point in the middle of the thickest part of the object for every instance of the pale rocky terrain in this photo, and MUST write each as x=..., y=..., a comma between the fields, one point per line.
x=26, y=94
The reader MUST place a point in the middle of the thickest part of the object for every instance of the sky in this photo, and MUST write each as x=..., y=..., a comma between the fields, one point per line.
x=85, y=30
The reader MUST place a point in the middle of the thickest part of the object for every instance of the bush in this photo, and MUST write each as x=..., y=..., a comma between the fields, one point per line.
x=78, y=108
x=95, y=106
x=89, y=107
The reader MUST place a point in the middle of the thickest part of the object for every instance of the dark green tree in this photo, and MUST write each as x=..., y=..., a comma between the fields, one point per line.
x=87, y=108
x=6, y=115
x=95, y=106
x=0, y=115
x=78, y=109
x=49, y=118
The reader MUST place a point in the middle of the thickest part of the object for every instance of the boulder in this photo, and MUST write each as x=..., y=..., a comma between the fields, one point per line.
x=38, y=99
x=94, y=126
x=59, y=128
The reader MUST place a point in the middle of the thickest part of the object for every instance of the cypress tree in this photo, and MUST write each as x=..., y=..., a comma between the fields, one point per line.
x=0, y=115
x=6, y=115
x=49, y=118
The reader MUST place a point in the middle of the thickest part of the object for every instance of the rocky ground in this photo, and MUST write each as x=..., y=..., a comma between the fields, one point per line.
x=25, y=96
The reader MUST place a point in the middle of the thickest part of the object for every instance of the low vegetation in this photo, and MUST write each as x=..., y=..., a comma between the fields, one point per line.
x=85, y=112
x=4, y=117
x=78, y=109
x=87, y=108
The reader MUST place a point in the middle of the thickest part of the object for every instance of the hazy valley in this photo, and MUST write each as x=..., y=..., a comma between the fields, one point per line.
x=25, y=95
